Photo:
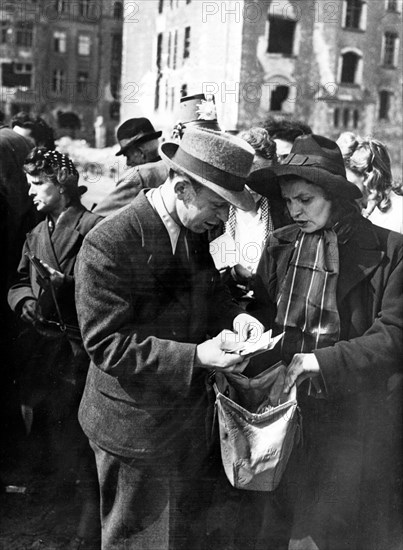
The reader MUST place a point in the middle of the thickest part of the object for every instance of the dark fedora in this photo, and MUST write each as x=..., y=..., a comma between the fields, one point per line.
x=135, y=131
x=198, y=110
x=216, y=160
x=314, y=158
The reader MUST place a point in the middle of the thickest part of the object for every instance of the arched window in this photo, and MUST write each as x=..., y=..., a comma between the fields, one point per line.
x=351, y=67
x=278, y=96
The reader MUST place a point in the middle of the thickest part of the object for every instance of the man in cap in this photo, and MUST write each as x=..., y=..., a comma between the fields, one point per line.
x=148, y=298
x=139, y=144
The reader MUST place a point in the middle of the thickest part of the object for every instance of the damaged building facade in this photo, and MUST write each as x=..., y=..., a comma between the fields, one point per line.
x=61, y=59
x=333, y=63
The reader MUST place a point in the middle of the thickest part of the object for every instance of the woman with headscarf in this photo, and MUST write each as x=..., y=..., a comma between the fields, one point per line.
x=332, y=282
x=52, y=360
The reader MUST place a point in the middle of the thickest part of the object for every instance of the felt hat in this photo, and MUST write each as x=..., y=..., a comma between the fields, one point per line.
x=135, y=131
x=216, y=160
x=314, y=158
x=197, y=110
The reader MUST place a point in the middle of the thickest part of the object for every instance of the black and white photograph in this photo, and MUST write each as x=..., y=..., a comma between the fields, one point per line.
x=201, y=286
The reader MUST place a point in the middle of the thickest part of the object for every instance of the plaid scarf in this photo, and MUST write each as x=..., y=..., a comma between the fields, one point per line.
x=306, y=305
x=263, y=211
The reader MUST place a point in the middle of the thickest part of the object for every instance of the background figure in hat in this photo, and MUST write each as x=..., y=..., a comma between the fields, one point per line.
x=52, y=366
x=284, y=131
x=139, y=144
x=147, y=296
x=332, y=283
x=368, y=165
x=196, y=110
x=248, y=231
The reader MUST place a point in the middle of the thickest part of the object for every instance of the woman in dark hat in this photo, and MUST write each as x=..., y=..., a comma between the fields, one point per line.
x=332, y=282
x=51, y=359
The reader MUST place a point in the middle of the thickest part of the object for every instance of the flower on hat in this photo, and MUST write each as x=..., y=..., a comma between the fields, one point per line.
x=206, y=110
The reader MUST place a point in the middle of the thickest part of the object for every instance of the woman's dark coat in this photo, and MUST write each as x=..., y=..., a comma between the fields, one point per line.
x=359, y=371
x=45, y=361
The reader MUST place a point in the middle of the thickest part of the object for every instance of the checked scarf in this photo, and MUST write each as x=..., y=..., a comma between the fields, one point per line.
x=306, y=305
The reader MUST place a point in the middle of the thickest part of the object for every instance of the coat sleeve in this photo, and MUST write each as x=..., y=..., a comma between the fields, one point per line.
x=359, y=363
x=125, y=191
x=107, y=299
x=21, y=290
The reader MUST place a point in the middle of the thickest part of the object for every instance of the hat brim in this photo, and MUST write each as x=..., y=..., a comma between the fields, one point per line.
x=333, y=183
x=137, y=141
x=239, y=199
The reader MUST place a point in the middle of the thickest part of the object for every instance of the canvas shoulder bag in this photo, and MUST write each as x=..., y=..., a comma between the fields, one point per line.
x=258, y=426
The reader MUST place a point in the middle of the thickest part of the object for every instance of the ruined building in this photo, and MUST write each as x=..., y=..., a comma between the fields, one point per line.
x=333, y=63
x=61, y=59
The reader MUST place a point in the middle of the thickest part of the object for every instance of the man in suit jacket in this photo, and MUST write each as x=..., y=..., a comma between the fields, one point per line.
x=148, y=297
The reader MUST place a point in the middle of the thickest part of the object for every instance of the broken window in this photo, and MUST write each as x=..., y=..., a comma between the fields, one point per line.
x=349, y=68
x=82, y=81
x=384, y=104
x=118, y=11
x=353, y=14
x=16, y=74
x=59, y=42
x=5, y=30
x=58, y=81
x=278, y=96
x=84, y=44
x=392, y=5
x=186, y=45
x=281, y=35
x=390, y=42
x=25, y=33
x=336, y=117
x=116, y=64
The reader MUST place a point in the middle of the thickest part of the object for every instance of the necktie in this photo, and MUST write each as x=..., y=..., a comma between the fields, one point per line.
x=182, y=249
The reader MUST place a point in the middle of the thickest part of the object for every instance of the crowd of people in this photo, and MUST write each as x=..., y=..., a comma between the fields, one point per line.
x=116, y=320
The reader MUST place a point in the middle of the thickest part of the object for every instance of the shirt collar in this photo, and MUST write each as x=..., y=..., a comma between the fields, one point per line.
x=155, y=198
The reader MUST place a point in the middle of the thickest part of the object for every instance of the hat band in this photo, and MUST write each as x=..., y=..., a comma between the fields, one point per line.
x=294, y=159
x=206, y=171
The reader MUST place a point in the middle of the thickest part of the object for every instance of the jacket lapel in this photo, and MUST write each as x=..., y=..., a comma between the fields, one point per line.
x=66, y=234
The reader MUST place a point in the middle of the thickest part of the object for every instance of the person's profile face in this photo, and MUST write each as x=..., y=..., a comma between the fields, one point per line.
x=46, y=196
x=134, y=156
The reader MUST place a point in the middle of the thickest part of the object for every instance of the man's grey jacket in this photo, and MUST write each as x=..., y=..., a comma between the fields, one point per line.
x=142, y=313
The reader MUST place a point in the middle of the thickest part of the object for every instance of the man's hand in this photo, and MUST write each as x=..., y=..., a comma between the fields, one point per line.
x=247, y=328
x=302, y=366
x=210, y=355
x=28, y=311
x=56, y=277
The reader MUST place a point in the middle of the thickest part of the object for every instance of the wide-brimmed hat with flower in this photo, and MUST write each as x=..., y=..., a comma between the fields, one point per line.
x=217, y=160
x=135, y=131
x=314, y=158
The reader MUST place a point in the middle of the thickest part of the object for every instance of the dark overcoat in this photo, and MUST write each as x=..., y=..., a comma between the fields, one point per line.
x=42, y=360
x=356, y=421
x=141, y=314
